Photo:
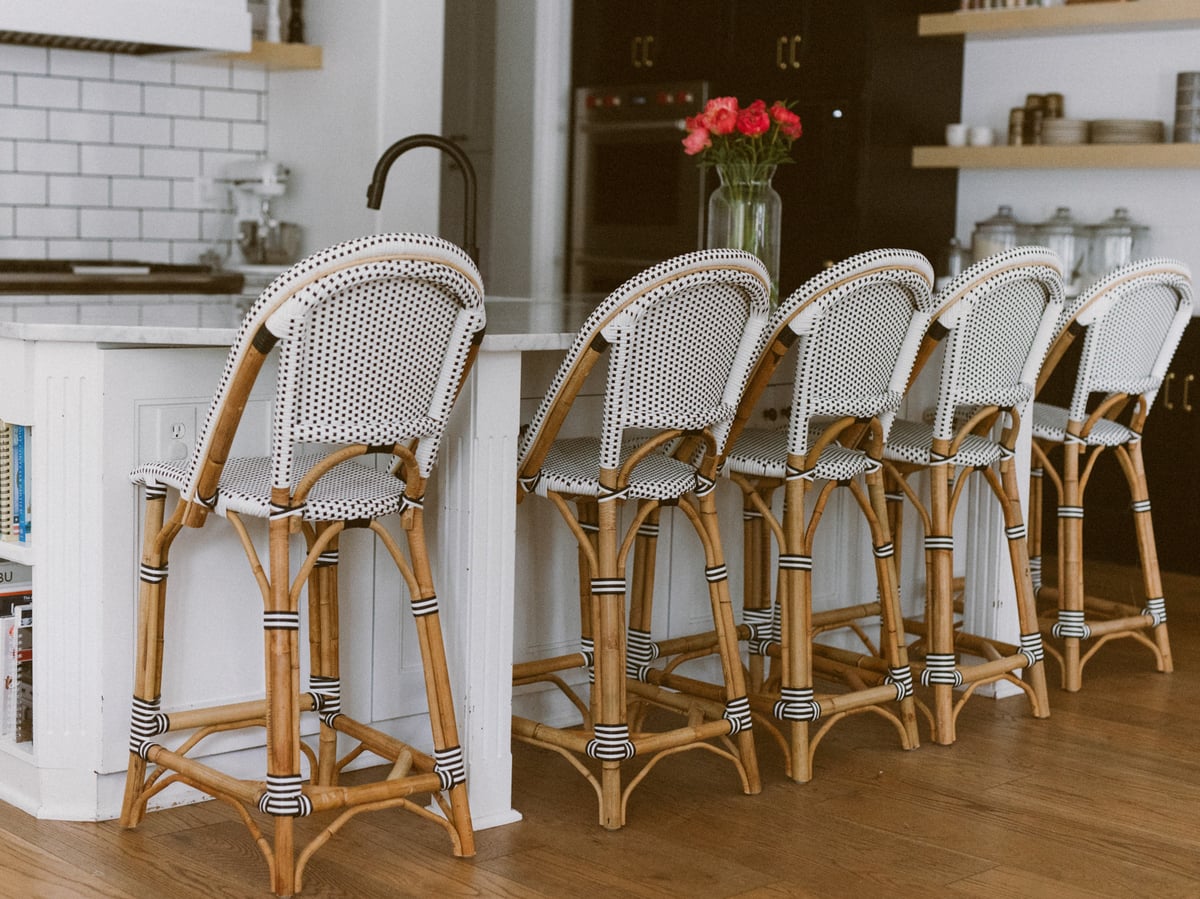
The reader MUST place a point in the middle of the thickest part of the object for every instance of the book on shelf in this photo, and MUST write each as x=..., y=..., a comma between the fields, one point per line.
x=14, y=482
x=16, y=651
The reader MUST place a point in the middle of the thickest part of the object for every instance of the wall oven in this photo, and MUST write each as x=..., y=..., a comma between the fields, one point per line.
x=636, y=197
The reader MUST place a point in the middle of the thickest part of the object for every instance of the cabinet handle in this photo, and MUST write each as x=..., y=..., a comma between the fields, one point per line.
x=648, y=51
x=635, y=52
x=1167, y=404
x=1187, y=383
x=795, y=42
x=779, y=45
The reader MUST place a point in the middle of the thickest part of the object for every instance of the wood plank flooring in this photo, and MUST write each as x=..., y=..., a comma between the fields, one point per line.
x=1100, y=800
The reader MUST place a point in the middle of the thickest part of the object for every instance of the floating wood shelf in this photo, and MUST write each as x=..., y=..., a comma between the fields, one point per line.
x=276, y=56
x=1075, y=156
x=1077, y=18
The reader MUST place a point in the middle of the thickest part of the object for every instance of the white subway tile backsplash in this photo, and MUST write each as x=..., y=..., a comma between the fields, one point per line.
x=171, y=163
x=202, y=74
x=34, y=60
x=170, y=100
x=140, y=69
x=242, y=105
x=106, y=223
x=47, y=221
x=54, y=93
x=202, y=134
x=141, y=193
x=99, y=155
x=43, y=156
x=80, y=126
x=74, y=190
x=171, y=224
x=111, y=96
x=18, y=123
x=28, y=190
x=145, y=131
x=102, y=159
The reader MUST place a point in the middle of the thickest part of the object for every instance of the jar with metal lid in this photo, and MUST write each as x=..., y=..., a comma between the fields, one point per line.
x=1116, y=241
x=995, y=235
x=1068, y=238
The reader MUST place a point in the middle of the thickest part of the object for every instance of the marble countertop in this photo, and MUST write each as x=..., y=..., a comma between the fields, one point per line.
x=514, y=323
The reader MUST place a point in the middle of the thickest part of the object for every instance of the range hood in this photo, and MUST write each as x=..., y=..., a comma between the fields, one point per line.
x=127, y=26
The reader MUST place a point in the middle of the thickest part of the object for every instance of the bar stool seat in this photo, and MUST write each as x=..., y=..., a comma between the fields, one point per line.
x=572, y=467
x=763, y=454
x=1050, y=423
x=912, y=441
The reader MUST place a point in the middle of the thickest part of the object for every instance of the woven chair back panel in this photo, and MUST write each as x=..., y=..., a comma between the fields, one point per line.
x=845, y=366
x=987, y=351
x=671, y=368
x=1121, y=348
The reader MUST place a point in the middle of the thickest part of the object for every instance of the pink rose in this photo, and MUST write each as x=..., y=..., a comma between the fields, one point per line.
x=721, y=114
x=789, y=122
x=753, y=120
x=697, y=141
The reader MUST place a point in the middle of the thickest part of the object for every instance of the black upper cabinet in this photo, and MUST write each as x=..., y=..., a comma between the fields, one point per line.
x=628, y=41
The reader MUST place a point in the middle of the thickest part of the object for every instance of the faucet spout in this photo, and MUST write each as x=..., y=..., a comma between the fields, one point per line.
x=449, y=147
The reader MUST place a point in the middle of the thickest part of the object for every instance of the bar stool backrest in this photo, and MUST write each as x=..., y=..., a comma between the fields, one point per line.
x=681, y=338
x=1133, y=319
x=376, y=336
x=1001, y=314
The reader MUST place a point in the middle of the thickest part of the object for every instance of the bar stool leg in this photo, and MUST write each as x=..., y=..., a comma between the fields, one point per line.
x=1135, y=473
x=1071, y=627
x=797, y=707
x=147, y=688
x=611, y=744
x=756, y=589
x=941, y=671
x=640, y=649
x=325, y=668
x=449, y=763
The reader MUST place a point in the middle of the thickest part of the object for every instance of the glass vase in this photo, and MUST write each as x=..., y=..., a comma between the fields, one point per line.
x=744, y=214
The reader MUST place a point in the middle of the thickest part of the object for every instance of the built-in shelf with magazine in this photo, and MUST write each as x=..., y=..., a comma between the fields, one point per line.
x=16, y=658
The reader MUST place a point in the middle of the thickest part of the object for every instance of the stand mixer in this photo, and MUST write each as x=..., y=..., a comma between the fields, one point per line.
x=260, y=236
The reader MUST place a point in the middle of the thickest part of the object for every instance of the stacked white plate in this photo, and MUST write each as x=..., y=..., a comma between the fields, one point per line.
x=1064, y=131
x=1126, y=131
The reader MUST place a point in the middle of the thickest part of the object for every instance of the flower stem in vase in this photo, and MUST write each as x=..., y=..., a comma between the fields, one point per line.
x=744, y=213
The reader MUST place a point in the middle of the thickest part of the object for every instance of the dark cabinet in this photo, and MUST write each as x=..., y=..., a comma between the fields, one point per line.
x=627, y=41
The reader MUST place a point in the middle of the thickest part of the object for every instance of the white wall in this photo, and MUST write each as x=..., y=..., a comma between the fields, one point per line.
x=381, y=81
x=1126, y=75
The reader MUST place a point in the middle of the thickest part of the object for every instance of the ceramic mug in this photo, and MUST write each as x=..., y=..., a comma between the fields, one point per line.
x=956, y=135
x=980, y=136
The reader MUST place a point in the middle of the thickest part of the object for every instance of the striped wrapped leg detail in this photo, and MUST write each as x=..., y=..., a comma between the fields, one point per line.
x=792, y=562
x=328, y=558
x=150, y=575
x=155, y=491
x=281, y=621
x=1035, y=572
x=426, y=606
x=901, y=678
x=648, y=529
x=146, y=723
x=640, y=651
x=1031, y=648
x=884, y=550
x=797, y=704
x=1140, y=505
x=607, y=586
x=1070, y=512
x=611, y=743
x=326, y=693
x=704, y=486
x=737, y=713
x=1157, y=610
x=762, y=630
x=1016, y=532
x=936, y=542
x=1071, y=623
x=450, y=766
x=940, y=668
x=716, y=573
x=285, y=796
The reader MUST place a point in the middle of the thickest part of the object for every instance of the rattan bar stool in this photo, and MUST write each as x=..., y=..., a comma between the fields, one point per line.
x=680, y=341
x=373, y=338
x=1000, y=315
x=857, y=328
x=1132, y=321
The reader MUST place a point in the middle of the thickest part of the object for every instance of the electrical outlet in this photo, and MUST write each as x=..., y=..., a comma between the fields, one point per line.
x=166, y=431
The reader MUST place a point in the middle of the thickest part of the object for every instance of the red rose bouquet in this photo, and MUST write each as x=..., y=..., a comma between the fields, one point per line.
x=752, y=138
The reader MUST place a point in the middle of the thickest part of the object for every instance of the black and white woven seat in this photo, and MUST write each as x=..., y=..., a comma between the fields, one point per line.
x=1000, y=315
x=1131, y=321
x=374, y=338
x=680, y=340
x=855, y=329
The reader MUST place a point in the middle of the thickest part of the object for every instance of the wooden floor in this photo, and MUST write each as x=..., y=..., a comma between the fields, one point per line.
x=1100, y=800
